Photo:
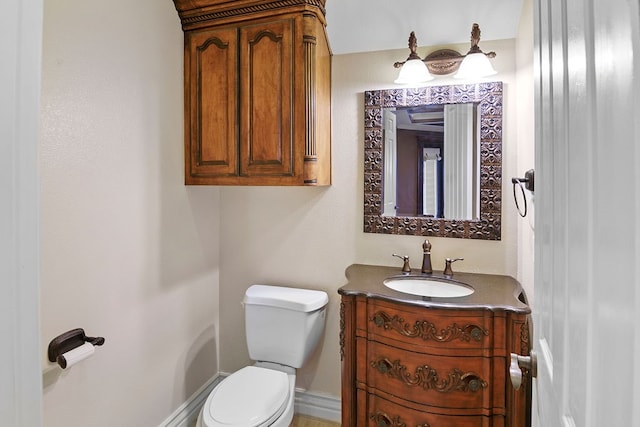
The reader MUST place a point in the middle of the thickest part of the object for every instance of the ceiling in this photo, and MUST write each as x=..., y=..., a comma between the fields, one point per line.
x=371, y=25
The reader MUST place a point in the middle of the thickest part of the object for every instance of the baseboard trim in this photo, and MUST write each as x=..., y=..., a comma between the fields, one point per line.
x=306, y=403
x=187, y=413
x=318, y=405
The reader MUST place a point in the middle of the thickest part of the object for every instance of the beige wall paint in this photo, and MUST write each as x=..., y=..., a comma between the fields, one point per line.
x=307, y=236
x=526, y=140
x=128, y=252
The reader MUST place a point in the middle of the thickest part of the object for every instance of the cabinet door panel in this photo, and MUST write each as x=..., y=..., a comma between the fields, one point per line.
x=211, y=112
x=267, y=72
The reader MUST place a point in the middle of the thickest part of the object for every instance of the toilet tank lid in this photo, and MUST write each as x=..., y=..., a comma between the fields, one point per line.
x=305, y=300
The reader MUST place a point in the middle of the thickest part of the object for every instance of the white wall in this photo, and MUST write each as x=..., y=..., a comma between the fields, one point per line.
x=128, y=252
x=308, y=236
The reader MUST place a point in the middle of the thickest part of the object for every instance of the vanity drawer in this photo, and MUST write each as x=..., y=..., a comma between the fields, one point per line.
x=383, y=413
x=468, y=332
x=443, y=381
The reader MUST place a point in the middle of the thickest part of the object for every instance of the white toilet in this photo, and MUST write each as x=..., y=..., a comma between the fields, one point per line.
x=283, y=326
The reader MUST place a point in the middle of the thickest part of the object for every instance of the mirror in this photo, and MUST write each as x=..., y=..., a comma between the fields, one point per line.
x=433, y=161
x=420, y=179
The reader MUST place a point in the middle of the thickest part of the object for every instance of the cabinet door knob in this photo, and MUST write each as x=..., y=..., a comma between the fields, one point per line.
x=518, y=363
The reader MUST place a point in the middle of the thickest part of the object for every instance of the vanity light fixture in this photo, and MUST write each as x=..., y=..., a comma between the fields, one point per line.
x=413, y=70
x=475, y=64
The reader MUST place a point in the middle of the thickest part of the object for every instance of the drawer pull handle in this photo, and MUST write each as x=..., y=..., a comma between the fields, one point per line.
x=383, y=420
x=426, y=377
x=427, y=330
x=475, y=384
x=384, y=366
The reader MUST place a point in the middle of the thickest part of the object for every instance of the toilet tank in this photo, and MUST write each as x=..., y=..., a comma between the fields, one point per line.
x=283, y=325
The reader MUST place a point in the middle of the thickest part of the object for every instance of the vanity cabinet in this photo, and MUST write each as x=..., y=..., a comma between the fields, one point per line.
x=430, y=362
x=257, y=88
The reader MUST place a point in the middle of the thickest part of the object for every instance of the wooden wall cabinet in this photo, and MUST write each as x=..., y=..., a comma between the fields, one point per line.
x=257, y=82
x=415, y=363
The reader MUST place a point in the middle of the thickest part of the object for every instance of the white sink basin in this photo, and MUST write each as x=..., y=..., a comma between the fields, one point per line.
x=428, y=287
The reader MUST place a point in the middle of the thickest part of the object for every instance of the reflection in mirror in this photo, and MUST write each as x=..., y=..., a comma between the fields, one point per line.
x=436, y=172
x=433, y=161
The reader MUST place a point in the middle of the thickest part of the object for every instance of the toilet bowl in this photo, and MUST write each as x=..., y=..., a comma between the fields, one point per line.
x=254, y=396
x=283, y=326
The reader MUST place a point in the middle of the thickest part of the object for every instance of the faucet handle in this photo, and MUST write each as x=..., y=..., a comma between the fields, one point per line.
x=447, y=265
x=406, y=268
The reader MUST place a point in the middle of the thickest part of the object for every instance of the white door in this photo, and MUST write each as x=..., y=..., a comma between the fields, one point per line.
x=587, y=195
x=20, y=374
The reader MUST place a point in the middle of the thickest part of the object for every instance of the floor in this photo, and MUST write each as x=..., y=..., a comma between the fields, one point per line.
x=305, y=421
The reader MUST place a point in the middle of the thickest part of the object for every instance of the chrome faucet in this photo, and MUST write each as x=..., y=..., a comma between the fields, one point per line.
x=406, y=268
x=426, y=258
x=447, y=266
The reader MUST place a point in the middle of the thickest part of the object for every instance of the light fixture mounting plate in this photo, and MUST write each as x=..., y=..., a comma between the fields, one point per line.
x=443, y=61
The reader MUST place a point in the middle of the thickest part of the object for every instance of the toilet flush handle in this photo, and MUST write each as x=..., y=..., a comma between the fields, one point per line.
x=518, y=363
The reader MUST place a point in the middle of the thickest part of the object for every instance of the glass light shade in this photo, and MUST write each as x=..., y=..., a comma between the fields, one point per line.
x=475, y=65
x=414, y=71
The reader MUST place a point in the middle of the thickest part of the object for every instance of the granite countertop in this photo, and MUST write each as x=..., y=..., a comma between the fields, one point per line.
x=491, y=291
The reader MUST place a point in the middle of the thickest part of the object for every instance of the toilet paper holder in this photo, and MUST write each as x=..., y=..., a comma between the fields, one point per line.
x=68, y=341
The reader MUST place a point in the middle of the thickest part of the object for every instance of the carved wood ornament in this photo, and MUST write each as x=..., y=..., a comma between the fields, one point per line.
x=238, y=8
x=525, y=349
x=383, y=420
x=427, y=378
x=427, y=330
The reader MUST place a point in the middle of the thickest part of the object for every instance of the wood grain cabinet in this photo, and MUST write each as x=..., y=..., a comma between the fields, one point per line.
x=257, y=83
x=415, y=362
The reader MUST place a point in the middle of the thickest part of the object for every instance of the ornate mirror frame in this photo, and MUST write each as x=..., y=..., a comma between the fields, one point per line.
x=489, y=97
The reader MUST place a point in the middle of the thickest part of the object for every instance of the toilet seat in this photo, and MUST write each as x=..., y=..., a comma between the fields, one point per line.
x=250, y=397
